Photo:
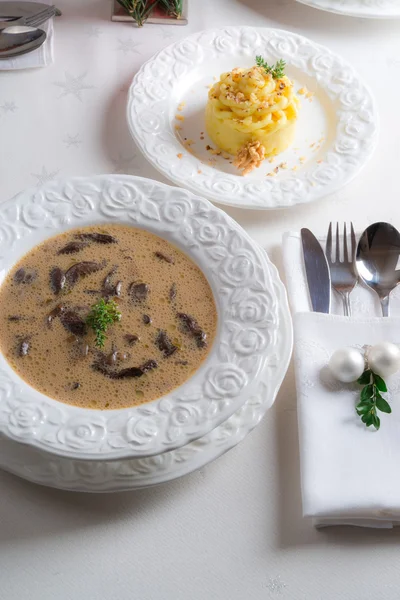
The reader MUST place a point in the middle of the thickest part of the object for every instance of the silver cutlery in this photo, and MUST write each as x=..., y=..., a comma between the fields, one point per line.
x=376, y=259
x=16, y=9
x=343, y=272
x=317, y=272
x=30, y=21
x=15, y=44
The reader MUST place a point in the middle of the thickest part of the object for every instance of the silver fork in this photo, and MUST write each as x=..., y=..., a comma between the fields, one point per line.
x=343, y=273
x=32, y=20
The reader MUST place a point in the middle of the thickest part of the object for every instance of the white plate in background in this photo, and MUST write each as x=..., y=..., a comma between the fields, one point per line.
x=372, y=9
x=336, y=131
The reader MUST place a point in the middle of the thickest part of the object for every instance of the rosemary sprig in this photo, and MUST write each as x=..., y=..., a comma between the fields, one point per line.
x=102, y=314
x=173, y=8
x=276, y=70
x=139, y=10
x=371, y=399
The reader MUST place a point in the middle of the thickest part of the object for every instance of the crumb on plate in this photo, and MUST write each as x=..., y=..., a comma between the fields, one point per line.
x=250, y=157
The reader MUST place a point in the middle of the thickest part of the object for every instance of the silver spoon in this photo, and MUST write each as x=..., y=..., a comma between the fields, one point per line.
x=376, y=259
x=19, y=39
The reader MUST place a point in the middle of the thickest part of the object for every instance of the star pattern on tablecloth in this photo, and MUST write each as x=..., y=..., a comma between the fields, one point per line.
x=72, y=141
x=8, y=107
x=166, y=33
x=73, y=85
x=128, y=46
x=93, y=32
x=275, y=585
x=123, y=163
x=44, y=176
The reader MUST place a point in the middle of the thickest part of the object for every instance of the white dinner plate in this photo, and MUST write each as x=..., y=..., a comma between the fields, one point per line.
x=116, y=476
x=336, y=131
x=248, y=318
x=373, y=9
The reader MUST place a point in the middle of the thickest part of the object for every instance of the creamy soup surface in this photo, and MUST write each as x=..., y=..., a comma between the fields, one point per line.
x=168, y=317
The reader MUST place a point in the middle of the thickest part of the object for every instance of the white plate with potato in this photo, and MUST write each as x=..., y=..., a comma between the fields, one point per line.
x=291, y=129
x=371, y=9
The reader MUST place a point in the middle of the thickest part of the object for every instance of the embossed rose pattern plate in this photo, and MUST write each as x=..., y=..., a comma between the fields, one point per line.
x=129, y=474
x=242, y=283
x=374, y=9
x=336, y=130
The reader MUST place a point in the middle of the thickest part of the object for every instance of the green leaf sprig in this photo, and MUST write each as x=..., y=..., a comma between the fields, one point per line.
x=102, y=314
x=277, y=70
x=173, y=8
x=371, y=399
x=139, y=10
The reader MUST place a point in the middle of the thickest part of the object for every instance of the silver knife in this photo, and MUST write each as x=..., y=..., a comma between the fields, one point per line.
x=317, y=271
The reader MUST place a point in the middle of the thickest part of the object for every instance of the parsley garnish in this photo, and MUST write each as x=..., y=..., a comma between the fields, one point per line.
x=276, y=70
x=102, y=314
x=371, y=399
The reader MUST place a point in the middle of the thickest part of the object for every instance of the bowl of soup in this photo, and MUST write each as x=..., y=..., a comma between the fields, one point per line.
x=135, y=317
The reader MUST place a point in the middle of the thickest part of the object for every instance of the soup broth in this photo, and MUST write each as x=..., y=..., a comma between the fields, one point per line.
x=48, y=322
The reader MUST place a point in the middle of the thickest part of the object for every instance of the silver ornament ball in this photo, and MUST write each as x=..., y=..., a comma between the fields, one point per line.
x=384, y=359
x=347, y=364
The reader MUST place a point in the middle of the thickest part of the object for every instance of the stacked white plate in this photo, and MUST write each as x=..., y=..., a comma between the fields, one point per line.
x=72, y=448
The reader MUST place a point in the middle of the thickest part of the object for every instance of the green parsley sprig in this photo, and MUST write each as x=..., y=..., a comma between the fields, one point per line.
x=371, y=399
x=102, y=314
x=276, y=70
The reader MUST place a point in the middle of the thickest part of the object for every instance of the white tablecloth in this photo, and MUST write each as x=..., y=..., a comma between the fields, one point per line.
x=234, y=529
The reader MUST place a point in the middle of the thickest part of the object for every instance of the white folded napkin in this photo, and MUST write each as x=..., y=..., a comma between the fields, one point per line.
x=41, y=57
x=349, y=473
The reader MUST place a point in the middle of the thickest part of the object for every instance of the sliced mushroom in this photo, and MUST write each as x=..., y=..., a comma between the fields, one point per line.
x=164, y=344
x=81, y=269
x=57, y=280
x=172, y=292
x=73, y=247
x=56, y=312
x=99, y=238
x=130, y=372
x=149, y=365
x=116, y=356
x=131, y=338
x=73, y=322
x=190, y=325
x=146, y=319
x=108, y=289
x=23, y=347
x=25, y=276
x=165, y=257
